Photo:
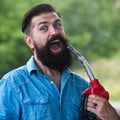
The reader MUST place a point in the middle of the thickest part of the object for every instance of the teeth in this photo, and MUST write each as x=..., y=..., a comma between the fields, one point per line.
x=55, y=41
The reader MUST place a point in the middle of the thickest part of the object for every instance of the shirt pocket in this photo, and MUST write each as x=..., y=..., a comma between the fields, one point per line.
x=36, y=109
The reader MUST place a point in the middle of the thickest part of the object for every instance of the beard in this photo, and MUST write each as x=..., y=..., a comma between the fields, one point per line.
x=59, y=61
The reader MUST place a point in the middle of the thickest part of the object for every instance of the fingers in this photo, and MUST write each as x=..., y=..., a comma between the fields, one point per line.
x=95, y=101
x=96, y=104
x=101, y=107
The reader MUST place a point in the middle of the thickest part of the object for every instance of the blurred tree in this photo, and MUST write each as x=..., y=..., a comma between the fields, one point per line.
x=96, y=25
x=91, y=25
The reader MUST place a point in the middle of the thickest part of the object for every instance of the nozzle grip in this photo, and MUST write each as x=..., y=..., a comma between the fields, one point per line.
x=96, y=88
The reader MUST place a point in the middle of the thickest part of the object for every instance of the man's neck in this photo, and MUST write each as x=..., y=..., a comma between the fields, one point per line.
x=52, y=74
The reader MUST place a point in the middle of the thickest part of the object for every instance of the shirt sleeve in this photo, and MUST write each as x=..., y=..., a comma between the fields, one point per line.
x=8, y=103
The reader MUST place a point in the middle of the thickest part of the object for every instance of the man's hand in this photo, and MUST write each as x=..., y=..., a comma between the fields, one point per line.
x=102, y=108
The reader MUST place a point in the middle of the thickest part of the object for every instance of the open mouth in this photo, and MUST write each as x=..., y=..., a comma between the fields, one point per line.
x=55, y=46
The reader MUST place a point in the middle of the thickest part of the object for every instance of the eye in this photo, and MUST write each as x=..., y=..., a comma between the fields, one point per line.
x=43, y=28
x=58, y=25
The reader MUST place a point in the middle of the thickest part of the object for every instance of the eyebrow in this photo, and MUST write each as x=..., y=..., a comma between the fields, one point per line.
x=46, y=22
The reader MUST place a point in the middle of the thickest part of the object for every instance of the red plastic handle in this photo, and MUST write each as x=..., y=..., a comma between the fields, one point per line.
x=96, y=88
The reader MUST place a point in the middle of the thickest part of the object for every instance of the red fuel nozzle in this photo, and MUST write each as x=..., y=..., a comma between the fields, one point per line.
x=96, y=88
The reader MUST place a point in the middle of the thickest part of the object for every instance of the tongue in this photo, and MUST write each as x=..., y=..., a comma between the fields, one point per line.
x=55, y=46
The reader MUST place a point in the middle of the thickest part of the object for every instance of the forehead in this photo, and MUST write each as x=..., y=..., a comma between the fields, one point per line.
x=45, y=17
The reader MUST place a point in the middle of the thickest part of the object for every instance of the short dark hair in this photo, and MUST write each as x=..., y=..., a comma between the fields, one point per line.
x=34, y=11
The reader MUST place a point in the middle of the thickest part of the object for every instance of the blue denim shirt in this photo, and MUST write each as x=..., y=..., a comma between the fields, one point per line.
x=28, y=94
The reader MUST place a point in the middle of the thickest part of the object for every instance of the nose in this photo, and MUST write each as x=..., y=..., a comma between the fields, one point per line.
x=53, y=31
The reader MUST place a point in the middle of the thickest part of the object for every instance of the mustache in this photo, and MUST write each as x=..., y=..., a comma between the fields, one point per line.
x=57, y=37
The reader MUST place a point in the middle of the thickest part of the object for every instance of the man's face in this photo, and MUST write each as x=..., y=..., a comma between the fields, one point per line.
x=50, y=45
x=44, y=26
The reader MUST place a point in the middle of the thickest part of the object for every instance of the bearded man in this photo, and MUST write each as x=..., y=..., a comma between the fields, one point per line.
x=45, y=88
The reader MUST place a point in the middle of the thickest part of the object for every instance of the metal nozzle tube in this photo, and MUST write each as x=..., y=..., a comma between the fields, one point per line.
x=81, y=58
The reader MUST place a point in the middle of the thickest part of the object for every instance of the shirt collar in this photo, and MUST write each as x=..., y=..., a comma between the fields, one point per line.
x=31, y=65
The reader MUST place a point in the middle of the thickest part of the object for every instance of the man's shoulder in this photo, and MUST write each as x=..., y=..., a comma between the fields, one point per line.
x=15, y=76
x=77, y=76
x=15, y=72
x=79, y=79
x=21, y=71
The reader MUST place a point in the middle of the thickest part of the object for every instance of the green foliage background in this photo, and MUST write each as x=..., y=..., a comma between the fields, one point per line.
x=92, y=26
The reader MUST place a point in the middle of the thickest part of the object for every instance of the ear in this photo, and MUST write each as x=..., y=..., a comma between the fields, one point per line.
x=28, y=40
